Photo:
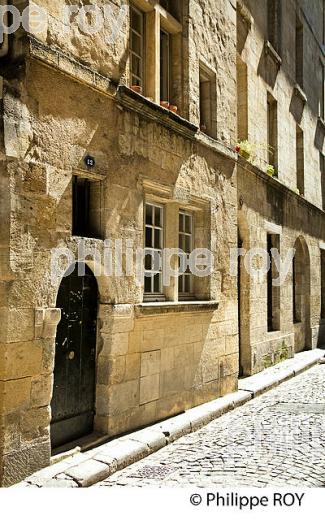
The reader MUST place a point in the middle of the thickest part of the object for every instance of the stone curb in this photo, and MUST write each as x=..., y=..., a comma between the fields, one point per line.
x=85, y=469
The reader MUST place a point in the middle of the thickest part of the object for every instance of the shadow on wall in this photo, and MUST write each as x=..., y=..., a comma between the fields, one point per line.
x=320, y=135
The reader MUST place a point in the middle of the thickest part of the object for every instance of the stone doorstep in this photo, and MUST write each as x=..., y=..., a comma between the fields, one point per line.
x=86, y=469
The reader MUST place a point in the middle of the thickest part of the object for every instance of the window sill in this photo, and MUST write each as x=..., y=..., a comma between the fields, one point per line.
x=298, y=91
x=136, y=102
x=270, y=50
x=214, y=144
x=78, y=238
x=150, y=308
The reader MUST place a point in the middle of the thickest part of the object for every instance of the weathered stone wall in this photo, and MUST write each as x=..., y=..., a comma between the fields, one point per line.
x=150, y=364
x=263, y=78
x=263, y=201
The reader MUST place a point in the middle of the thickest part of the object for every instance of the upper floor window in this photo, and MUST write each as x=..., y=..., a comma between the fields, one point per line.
x=274, y=23
x=208, y=101
x=136, y=47
x=156, y=54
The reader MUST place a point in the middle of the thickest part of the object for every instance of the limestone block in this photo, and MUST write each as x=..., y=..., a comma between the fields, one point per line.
x=46, y=321
x=41, y=391
x=132, y=367
x=15, y=394
x=89, y=472
x=150, y=363
x=167, y=359
x=152, y=340
x=123, y=397
x=18, y=325
x=171, y=381
x=116, y=318
x=115, y=344
x=21, y=359
x=149, y=388
x=35, y=423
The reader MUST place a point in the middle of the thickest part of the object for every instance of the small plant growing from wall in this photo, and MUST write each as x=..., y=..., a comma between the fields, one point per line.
x=270, y=170
x=244, y=148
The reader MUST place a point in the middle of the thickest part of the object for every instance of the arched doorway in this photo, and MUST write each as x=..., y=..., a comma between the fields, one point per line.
x=301, y=295
x=73, y=401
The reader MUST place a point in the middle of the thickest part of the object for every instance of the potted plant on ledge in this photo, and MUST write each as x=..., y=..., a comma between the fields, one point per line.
x=244, y=148
x=270, y=170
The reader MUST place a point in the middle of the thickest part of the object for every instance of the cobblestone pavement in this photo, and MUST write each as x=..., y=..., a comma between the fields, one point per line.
x=277, y=439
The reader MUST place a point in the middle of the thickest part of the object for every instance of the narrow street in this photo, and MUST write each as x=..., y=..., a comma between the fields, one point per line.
x=278, y=439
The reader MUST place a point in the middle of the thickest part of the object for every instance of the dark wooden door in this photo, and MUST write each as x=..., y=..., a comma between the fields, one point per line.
x=73, y=400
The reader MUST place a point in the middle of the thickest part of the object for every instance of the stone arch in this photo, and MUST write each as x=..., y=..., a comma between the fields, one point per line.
x=301, y=290
x=245, y=350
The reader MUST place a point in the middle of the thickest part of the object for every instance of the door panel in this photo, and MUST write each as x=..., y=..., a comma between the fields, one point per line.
x=73, y=401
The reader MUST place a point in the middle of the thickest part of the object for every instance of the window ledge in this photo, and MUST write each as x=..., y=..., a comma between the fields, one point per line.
x=149, y=308
x=321, y=122
x=298, y=91
x=217, y=146
x=151, y=110
x=270, y=50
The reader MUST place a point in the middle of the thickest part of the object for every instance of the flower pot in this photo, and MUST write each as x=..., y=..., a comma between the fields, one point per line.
x=164, y=104
x=173, y=108
x=137, y=88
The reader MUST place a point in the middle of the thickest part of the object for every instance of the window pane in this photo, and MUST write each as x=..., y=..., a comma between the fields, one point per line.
x=147, y=284
x=148, y=237
x=136, y=65
x=188, y=226
x=148, y=262
x=156, y=287
x=136, y=21
x=187, y=244
x=158, y=217
x=149, y=210
x=187, y=284
x=157, y=239
x=136, y=43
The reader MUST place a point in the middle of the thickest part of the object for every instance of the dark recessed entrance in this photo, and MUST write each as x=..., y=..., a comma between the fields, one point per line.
x=73, y=402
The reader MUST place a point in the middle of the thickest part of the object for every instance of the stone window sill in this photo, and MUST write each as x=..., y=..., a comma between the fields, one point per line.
x=270, y=50
x=217, y=146
x=300, y=93
x=136, y=102
x=150, y=308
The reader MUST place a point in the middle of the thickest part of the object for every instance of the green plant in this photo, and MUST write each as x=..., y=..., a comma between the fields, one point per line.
x=244, y=148
x=270, y=170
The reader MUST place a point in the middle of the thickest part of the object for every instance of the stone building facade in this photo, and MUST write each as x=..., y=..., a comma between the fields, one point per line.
x=97, y=162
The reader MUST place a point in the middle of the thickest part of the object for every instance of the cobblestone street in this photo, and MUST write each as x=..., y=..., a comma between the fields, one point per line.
x=278, y=439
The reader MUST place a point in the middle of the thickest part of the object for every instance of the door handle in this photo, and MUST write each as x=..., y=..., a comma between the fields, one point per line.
x=71, y=355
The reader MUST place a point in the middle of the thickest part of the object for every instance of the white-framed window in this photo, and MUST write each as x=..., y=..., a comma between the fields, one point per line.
x=136, y=47
x=154, y=243
x=185, y=244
